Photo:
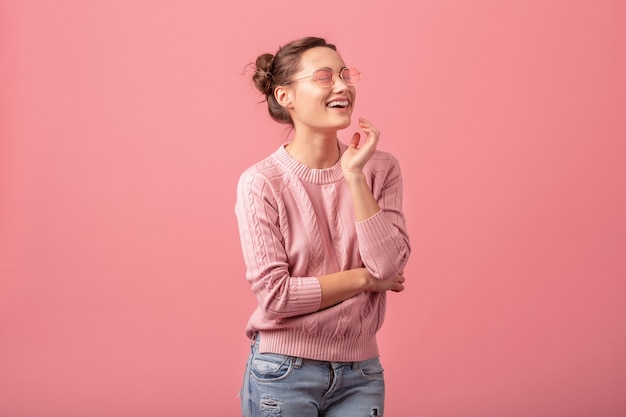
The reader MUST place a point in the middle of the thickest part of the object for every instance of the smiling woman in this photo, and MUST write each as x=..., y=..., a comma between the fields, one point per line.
x=125, y=125
x=324, y=238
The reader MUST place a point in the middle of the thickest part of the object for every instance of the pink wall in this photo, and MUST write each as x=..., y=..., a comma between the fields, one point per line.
x=124, y=126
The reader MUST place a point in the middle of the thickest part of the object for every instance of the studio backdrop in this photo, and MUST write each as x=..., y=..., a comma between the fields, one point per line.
x=124, y=127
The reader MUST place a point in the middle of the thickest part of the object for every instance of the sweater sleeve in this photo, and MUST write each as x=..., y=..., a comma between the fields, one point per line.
x=383, y=239
x=279, y=295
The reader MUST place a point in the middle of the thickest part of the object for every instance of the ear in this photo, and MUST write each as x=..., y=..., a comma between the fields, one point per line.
x=284, y=96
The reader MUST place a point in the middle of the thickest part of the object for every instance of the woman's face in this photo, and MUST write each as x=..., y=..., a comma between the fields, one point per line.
x=315, y=107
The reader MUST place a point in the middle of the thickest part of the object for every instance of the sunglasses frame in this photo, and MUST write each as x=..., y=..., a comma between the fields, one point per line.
x=341, y=72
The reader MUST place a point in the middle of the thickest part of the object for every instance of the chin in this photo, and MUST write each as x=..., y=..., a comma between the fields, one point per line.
x=345, y=121
x=345, y=125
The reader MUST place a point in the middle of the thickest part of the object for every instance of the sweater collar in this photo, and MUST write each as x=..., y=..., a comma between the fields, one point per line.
x=305, y=173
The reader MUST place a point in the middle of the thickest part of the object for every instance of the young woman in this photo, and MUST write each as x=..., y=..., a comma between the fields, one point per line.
x=324, y=238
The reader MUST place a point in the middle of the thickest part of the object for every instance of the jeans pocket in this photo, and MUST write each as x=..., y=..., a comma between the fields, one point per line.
x=371, y=368
x=270, y=366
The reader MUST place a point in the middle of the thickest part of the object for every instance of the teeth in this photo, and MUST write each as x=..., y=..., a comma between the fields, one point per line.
x=338, y=103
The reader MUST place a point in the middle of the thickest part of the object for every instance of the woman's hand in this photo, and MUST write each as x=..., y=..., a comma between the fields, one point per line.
x=354, y=158
x=395, y=284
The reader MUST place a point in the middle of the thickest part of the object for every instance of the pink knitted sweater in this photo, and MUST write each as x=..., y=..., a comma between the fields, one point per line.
x=297, y=223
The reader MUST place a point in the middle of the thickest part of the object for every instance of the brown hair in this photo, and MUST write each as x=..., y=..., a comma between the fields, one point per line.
x=274, y=70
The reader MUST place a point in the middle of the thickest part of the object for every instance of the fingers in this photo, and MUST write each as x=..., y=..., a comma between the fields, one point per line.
x=397, y=287
x=372, y=133
x=398, y=283
x=368, y=128
x=364, y=122
x=354, y=142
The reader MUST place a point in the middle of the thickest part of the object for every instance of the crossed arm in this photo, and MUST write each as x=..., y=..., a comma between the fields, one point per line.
x=342, y=285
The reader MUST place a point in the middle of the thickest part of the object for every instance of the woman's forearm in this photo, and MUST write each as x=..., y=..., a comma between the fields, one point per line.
x=340, y=286
x=365, y=206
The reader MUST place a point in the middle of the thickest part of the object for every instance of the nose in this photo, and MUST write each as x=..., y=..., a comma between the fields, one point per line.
x=338, y=84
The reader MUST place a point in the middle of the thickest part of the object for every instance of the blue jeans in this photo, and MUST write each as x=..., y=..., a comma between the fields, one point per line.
x=284, y=386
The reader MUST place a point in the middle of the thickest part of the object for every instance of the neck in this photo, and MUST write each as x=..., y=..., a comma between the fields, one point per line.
x=318, y=151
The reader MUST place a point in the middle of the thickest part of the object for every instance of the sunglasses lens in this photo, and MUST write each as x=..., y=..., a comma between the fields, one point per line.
x=324, y=77
x=351, y=76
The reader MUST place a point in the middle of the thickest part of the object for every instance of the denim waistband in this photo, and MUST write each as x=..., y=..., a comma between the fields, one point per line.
x=254, y=345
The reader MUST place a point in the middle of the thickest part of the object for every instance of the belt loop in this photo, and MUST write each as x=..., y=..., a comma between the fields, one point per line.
x=297, y=363
x=254, y=338
x=355, y=366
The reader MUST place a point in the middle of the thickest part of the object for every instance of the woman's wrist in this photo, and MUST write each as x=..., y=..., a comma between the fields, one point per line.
x=354, y=177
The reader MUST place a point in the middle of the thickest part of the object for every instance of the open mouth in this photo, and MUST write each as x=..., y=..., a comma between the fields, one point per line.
x=338, y=104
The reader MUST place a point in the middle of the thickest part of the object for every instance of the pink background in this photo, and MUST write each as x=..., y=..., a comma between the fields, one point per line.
x=124, y=126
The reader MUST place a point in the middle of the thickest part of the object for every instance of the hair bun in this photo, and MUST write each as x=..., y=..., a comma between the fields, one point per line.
x=262, y=77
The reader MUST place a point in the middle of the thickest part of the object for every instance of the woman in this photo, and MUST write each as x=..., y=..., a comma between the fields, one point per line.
x=324, y=238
